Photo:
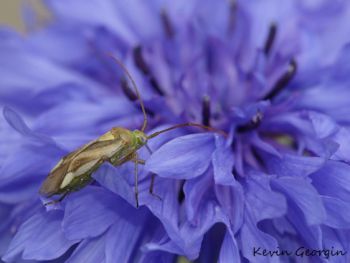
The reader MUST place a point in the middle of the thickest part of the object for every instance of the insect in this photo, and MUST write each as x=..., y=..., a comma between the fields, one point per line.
x=117, y=146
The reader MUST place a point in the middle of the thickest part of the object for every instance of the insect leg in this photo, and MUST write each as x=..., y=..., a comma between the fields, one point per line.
x=148, y=149
x=139, y=161
x=151, y=187
x=136, y=179
x=153, y=177
x=58, y=200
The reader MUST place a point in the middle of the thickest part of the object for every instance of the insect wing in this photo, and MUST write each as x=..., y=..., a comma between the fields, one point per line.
x=53, y=181
x=95, y=153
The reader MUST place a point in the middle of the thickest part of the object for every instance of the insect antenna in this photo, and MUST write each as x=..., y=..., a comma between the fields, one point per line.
x=185, y=125
x=144, y=125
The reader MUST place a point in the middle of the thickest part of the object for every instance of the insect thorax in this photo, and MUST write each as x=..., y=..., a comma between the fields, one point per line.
x=134, y=141
x=139, y=139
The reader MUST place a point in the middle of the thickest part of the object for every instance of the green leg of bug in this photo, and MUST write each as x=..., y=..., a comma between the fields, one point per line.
x=58, y=200
x=151, y=187
x=139, y=161
x=136, y=160
x=148, y=149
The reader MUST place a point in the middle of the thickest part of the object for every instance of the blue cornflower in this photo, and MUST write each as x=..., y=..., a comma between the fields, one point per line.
x=273, y=77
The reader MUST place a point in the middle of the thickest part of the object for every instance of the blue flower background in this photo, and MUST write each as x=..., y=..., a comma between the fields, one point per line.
x=274, y=76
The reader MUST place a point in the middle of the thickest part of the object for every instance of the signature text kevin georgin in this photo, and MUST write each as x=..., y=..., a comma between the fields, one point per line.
x=298, y=252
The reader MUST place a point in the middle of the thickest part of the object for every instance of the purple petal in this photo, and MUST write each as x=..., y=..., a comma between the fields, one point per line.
x=129, y=227
x=16, y=121
x=91, y=250
x=229, y=250
x=167, y=246
x=337, y=240
x=324, y=148
x=19, y=70
x=157, y=256
x=251, y=237
x=338, y=212
x=166, y=210
x=323, y=125
x=293, y=165
x=301, y=192
x=20, y=182
x=310, y=235
x=223, y=161
x=321, y=98
x=333, y=180
x=342, y=138
x=64, y=44
x=231, y=199
x=196, y=191
x=264, y=146
x=294, y=122
x=239, y=167
x=39, y=238
x=83, y=14
x=158, y=141
x=82, y=222
x=36, y=153
x=113, y=179
x=326, y=127
x=211, y=244
x=120, y=180
x=208, y=215
x=98, y=116
x=121, y=18
x=263, y=202
x=189, y=236
x=283, y=226
x=183, y=158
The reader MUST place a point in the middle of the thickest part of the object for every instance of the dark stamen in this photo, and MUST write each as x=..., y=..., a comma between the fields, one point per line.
x=167, y=25
x=252, y=125
x=257, y=157
x=129, y=93
x=181, y=194
x=270, y=39
x=206, y=111
x=156, y=87
x=283, y=81
x=142, y=65
x=232, y=16
x=139, y=61
x=234, y=168
x=149, y=112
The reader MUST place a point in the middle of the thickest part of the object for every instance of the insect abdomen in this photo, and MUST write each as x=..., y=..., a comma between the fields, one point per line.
x=74, y=171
